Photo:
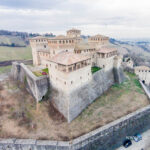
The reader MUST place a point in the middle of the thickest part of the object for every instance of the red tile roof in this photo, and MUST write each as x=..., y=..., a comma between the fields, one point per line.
x=68, y=58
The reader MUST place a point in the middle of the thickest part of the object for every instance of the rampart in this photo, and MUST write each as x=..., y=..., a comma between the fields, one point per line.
x=36, y=86
x=73, y=103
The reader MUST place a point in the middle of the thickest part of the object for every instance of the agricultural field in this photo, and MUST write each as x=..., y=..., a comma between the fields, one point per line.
x=15, y=53
x=22, y=117
x=12, y=39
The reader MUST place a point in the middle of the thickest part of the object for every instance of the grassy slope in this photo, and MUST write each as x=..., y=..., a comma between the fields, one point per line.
x=11, y=39
x=15, y=53
x=5, y=69
x=118, y=101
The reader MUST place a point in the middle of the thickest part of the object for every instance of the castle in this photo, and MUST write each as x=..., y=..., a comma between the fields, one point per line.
x=69, y=60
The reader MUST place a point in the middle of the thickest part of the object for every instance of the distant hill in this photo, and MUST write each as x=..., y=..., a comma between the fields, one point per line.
x=138, y=50
x=12, y=41
x=18, y=39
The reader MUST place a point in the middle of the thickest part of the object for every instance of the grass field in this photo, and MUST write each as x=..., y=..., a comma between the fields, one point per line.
x=5, y=69
x=15, y=53
x=20, y=117
x=95, y=69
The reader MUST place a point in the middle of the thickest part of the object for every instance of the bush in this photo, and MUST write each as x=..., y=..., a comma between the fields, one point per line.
x=95, y=69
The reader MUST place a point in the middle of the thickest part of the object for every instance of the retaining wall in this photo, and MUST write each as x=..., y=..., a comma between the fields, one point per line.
x=100, y=139
x=37, y=86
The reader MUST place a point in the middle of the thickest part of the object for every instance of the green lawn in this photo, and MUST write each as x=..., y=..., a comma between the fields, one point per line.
x=5, y=69
x=15, y=53
x=45, y=70
x=95, y=69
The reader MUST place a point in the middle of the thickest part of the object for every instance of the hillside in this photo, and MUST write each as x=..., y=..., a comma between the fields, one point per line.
x=14, y=41
x=15, y=53
x=139, y=51
x=19, y=116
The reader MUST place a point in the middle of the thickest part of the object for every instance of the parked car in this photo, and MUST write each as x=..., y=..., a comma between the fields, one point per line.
x=127, y=143
x=137, y=137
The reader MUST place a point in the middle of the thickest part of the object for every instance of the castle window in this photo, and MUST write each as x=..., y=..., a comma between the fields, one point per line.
x=71, y=82
x=59, y=41
x=65, y=83
x=44, y=46
x=80, y=77
x=70, y=69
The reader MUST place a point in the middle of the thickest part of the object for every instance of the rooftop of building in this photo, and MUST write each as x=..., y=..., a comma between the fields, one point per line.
x=38, y=37
x=106, y=50
x=68, y=58
x=74, y=29
x=83, y=46
x=98, y=36
x=142, y=67
x=61, y=37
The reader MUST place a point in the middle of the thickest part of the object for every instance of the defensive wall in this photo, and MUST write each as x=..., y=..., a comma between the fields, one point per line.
x=108, y=137
x=36, y=86
x=71, y=104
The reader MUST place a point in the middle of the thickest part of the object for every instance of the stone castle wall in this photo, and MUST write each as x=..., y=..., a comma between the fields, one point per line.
x=36, y=86
x=72, y=104
x=108, y=137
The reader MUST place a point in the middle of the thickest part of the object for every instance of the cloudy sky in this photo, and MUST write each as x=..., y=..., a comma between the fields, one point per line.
x=114, y=18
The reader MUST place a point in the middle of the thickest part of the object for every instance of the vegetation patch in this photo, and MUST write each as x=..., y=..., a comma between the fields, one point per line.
x=45, y=70
x=41, y=73
x=15, y=53
x=5, y=69
x=95, y=69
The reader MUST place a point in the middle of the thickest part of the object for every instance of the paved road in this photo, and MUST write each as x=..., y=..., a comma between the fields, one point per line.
x=143, y=144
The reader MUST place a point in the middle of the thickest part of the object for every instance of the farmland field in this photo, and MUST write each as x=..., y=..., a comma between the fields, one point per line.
x=11, y=39
x=15, y=53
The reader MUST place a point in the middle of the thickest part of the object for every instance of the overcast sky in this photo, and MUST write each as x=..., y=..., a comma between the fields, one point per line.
x=114, y=18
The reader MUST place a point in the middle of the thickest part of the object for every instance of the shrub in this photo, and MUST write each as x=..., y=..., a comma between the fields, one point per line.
x=95, y=69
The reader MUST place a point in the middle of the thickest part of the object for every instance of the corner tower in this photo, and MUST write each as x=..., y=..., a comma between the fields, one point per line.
x=74, y=33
